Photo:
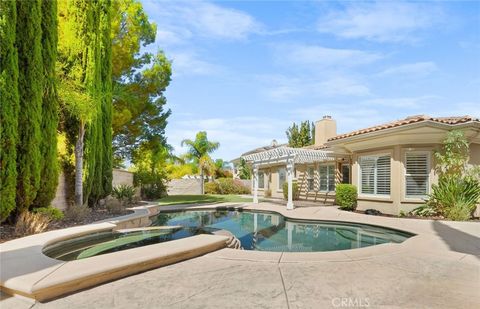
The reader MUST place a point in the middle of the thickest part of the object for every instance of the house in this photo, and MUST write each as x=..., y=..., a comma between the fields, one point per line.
x=391, y=164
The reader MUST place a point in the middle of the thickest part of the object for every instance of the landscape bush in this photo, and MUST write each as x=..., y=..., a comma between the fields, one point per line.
x=346, y=196
x=457, y=192
x=152, y=185
x=77, y=213
x=226, y=186
x=268, y=193
x=211, y=187
x=29, y=223
x=53, y=213
x=125, y=194
x=296, y=192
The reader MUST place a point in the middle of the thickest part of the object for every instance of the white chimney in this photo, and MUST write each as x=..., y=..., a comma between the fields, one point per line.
x=324, y=129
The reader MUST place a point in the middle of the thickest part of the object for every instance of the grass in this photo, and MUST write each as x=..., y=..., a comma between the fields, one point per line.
x=202, y=199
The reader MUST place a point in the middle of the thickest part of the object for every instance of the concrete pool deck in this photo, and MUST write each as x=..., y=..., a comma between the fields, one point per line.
x=438, y=268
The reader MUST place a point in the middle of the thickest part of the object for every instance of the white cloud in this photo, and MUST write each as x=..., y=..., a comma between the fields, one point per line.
x=180, y=21
x=402, y=102
x=189, y=63
x=381, y=21
x=342, y=86
x=283, y=88
x=236, y=135
x=411, y=69
x=319, y=56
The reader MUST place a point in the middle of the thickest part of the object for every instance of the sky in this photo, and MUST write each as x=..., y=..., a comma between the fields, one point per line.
x=245, y=70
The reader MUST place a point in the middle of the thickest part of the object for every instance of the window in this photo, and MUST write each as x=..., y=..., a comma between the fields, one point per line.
x=282, y=177
x=261, y=180
x=375, y=175
x=416, y=176
x=327, y=177
x=345, y=173
x=310, y=179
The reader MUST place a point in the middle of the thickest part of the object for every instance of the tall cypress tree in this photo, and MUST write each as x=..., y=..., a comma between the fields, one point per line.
x=99, y=138
x=8, y=108
x=30, y=89
x=93, y=188
x=106, y=54
x=49, y=163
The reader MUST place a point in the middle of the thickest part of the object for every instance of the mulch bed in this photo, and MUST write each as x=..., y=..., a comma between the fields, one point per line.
x=410, y=216
x=7, y=231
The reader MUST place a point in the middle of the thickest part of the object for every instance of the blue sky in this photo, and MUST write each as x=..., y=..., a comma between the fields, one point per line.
x=244, y=71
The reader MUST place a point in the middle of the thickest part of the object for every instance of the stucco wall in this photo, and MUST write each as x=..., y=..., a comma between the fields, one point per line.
x=184, y=187
x=122, y=177
x=60, y=200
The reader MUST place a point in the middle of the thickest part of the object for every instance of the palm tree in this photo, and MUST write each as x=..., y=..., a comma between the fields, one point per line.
x=199, y=151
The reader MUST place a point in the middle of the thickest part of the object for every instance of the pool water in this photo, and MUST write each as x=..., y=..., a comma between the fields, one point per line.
x=111, y=241
x=272, y=232
x=256, y=231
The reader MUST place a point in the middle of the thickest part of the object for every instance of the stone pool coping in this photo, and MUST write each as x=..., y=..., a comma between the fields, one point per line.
x=27, y=271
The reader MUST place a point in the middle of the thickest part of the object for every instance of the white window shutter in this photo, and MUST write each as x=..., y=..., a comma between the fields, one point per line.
x=416, y=177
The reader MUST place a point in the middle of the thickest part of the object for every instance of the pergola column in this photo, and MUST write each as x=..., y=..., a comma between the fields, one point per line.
x=290, y=171
x=255, y=183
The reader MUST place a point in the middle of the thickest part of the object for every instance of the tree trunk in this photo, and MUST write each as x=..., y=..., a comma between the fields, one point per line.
x=202, y=182
x=79, y=165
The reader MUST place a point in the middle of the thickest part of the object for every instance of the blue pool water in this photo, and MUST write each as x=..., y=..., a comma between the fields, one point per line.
x=272, y=232
x=255, y=230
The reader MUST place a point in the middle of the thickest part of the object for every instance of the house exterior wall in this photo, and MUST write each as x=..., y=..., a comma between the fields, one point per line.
x=396, y=143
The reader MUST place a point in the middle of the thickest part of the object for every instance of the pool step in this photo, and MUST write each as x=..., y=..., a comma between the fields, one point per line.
x=234, y=243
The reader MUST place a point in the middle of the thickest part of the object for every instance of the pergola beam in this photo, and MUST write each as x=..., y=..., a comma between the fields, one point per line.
x=288, y=156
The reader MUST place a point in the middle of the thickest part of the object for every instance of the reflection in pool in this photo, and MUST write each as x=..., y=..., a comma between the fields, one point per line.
x=272, y=232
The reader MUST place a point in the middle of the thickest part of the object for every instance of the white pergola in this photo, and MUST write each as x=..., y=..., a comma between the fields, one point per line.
x=289, y=156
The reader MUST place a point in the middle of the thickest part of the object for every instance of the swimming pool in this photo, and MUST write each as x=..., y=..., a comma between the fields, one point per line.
x=260, y=231
x=264, y=231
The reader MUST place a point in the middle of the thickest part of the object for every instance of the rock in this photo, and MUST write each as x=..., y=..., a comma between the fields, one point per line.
x=372, y=212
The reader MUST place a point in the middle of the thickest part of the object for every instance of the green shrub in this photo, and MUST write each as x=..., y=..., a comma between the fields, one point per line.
x=124, y=193
x=52, y=213
x=346, y=196
x=226, y=186
x=152, y=185
x=459, y=212
x=425, y=211
x=211, y=187
x=454, y=197
x=296, y=192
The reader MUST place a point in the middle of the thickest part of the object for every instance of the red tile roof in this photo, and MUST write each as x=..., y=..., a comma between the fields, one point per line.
x=408, y=120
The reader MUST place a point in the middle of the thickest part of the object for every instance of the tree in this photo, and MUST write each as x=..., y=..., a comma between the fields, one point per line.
x=98, y=139
x=30, y=89
x=48, y=146
x=139, y=116
x=130, y=30
x=452, y=161
x=199, y=151
x=150, y=169
x=139, y=80
x=9, y=108
x=301, y=136
x=107, y=100
x=244, y=171
x=80, y=41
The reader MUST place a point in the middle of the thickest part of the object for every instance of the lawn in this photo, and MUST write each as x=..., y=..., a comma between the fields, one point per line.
x=202, y=199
